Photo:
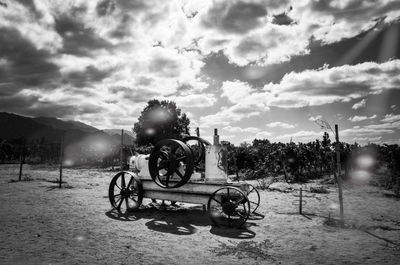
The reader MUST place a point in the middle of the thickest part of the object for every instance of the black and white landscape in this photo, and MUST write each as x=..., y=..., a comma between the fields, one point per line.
x=301, y=91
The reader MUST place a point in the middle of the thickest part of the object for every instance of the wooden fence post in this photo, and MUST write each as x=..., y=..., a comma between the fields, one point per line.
x=61, y=158
x=21, y=161
x=121, y=155
x=338, y=178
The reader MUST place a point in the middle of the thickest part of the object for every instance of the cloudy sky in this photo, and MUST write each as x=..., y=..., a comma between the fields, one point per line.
x=252, y=69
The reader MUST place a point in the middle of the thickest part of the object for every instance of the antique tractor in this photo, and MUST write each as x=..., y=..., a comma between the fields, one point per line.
x=191, y=171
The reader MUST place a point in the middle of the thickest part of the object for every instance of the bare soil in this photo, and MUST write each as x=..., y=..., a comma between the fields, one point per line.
x=42, y=224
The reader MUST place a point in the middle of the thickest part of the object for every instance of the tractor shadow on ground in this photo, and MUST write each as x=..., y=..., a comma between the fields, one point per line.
x=129, y=216
x=180, y=221
x=236, y=233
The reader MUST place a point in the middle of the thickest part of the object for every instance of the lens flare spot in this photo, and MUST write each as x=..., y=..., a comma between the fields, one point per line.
x=68, y=162
x=99, y=146
x=365, y=161
x=150, y=131
x=333, y=206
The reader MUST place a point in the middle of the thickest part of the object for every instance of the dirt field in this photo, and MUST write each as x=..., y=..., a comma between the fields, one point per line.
x=41, y=224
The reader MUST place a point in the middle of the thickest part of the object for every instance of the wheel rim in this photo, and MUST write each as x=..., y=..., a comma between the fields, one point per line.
x=171, y=164
x=254, y=198
x=198, y=147
x=228, y=206
x=125, y=192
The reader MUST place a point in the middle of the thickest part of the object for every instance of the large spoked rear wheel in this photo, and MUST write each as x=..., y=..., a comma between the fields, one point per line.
x=229, y=207
x=254, y=198
x=125, y=192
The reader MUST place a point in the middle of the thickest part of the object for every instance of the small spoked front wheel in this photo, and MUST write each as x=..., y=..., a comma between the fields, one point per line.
x=228, y=206
x=125, y=192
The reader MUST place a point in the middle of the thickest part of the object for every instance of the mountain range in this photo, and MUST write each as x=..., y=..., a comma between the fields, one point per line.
x=50, y=130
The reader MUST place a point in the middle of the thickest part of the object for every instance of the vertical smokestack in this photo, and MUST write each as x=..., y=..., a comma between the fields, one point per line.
x=216, y=137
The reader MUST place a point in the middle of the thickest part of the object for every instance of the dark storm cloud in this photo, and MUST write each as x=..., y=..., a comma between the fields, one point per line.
x=87, y=77
x=105, y=7
x=25, y=65
x=218, y=67
x=282, y=19
x=32, y=106
x=355, y=8
x=77, y=38
x=133, y=5
x=239, y=18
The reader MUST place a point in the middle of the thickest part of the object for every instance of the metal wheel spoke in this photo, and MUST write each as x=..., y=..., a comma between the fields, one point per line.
x=118, y=200
x=123, y=180
x=179, y=173
x=120, y=203
x=126, y=203
x=118, y=186
x=213, y=198
x=133, y=199
x=130, y=182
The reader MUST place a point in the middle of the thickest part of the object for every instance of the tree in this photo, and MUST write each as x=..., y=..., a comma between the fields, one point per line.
x=160, y=120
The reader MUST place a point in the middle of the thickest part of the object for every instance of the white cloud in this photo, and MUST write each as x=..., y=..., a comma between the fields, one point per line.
x=387, y=125
x=312, y=118
x=328, y=85
x=235, y=91
x=317, y=87
x=279, y=124
x=300, y=136
x=367, y=139
x=195, y=100
x=228, y=115
x=359, y=104
x=391, y=118
x=365, y=131
x=361, y=118
x=241, y=130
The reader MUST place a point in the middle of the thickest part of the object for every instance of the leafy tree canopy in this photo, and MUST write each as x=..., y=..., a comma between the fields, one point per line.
x=160, y=120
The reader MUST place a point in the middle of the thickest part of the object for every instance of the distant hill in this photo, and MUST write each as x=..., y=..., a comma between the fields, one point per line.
x=14, y=126
x=65, y=125
x=81, y=141
x=46, y=129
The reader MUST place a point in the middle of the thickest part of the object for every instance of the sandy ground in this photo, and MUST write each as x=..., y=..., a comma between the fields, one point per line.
x=41, y=224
